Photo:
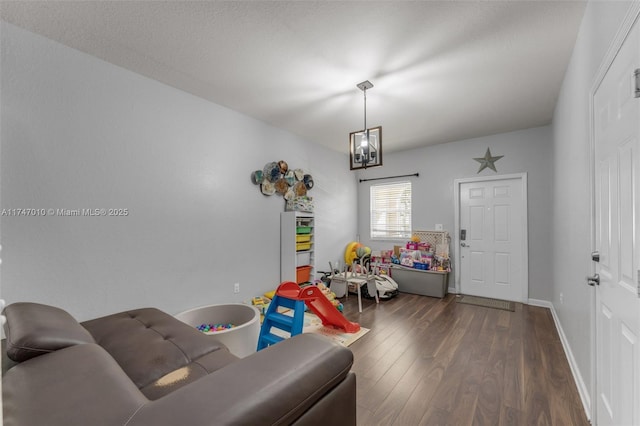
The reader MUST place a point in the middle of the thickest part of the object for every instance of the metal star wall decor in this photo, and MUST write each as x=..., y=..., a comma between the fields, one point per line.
x=488, y=161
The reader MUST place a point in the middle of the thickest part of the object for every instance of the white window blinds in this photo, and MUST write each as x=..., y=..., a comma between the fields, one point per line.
x=391, y=210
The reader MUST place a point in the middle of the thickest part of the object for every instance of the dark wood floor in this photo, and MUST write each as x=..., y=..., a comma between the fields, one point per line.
x=429, y=361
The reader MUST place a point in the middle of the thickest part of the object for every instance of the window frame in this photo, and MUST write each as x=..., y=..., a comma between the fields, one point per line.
x=407, y=186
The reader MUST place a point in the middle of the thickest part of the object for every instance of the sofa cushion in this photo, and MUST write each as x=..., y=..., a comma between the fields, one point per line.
x=34, y=329
x=149, y=344
x=193, y=371
x=78, y=385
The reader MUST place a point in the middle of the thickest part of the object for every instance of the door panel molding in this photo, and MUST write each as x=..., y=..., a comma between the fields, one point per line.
x=525, y=244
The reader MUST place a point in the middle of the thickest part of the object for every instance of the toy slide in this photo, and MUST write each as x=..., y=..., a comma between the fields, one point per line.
x=318, y=304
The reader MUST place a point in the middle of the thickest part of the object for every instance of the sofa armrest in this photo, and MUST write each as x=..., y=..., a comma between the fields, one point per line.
x=273, y=386
x=77, y=385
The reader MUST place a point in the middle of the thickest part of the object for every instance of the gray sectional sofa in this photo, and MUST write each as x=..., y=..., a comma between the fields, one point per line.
x=144, y=367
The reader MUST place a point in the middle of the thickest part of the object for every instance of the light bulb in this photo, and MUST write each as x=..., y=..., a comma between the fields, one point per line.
x=364, y=141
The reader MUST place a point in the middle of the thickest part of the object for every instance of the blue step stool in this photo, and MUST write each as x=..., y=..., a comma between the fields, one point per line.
x=274, y=319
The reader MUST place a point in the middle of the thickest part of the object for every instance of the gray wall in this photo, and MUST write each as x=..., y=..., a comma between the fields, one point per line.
x=571, y=183
x=81, y=133
x=433, y=192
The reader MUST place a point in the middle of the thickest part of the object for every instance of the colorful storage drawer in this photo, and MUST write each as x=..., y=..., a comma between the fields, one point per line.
x=303, y=238
x=303, y=229
x=303, y=246
x=303, y=274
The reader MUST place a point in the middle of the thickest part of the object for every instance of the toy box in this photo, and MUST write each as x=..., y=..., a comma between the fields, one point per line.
x=417, y=281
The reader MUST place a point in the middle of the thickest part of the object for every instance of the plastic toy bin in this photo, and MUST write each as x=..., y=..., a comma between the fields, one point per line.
x=303, y=274
x=242, y=340
x=417, y=281
x=303, y=246
x=303, y=229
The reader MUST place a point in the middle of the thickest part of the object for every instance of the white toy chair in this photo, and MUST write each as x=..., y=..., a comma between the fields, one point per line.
x=339, y=284
x=357, y=280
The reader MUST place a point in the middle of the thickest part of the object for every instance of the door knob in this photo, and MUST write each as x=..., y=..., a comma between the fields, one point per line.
x=463, y=244
x=593, y=280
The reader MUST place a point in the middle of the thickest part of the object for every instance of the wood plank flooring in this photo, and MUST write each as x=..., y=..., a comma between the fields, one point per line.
x=429, y=361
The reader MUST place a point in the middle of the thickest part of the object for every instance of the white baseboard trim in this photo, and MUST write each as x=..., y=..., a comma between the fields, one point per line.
x=541, y=303
x=583, y=391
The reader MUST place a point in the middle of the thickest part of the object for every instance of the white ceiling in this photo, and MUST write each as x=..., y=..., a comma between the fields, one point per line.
x=442, y=71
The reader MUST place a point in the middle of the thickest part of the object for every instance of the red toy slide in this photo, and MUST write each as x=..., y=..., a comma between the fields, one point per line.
x=318, y=304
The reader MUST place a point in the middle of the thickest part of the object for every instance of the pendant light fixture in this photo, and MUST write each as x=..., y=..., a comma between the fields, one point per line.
x=365, y=146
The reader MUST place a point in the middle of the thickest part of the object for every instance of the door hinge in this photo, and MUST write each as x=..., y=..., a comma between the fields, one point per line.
x=638, y=275
x=636, y=74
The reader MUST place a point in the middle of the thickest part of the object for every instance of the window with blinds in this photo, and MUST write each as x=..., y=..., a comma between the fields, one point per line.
x=391, y=210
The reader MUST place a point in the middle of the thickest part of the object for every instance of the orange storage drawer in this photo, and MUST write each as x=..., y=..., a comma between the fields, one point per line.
x=303, y=274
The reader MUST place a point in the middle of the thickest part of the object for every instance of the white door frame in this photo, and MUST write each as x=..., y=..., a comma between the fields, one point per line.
x=624, y=30
x=525, y=245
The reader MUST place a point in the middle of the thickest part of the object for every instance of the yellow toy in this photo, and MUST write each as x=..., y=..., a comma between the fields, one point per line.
x=355, y=250
x=350, y=252
x=258, y=301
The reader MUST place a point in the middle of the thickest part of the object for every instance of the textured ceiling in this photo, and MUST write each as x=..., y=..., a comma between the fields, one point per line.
x=442, y=71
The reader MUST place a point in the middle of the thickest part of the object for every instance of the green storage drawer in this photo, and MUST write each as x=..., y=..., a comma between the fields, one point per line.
x=303, y=229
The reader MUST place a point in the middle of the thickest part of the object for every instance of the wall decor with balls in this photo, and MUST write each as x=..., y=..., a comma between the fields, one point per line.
x=276, y=178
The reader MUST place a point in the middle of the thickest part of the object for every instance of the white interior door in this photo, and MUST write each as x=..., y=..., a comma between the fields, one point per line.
x=493, y=250
x=617, y=310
